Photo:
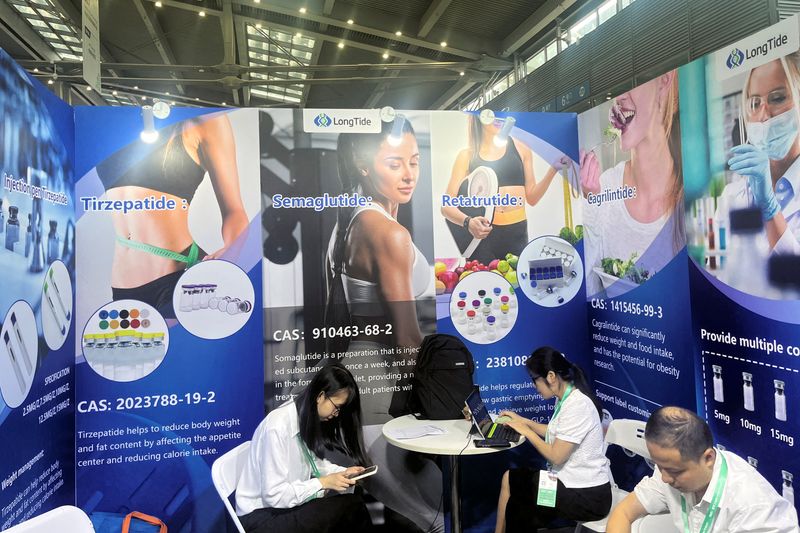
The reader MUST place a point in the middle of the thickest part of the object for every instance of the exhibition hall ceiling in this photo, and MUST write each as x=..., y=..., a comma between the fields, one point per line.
x=423, y=54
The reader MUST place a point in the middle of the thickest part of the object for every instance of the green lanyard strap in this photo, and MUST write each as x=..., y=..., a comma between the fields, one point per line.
x=307, y=454
x=711, y=514
x=559, y=403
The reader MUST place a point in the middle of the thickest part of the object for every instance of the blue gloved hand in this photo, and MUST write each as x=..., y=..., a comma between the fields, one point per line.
x=749, y=161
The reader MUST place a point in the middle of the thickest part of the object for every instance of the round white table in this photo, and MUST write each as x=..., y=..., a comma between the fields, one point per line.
x=453, y=443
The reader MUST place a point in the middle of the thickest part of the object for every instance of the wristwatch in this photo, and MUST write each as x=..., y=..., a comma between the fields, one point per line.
x=466, y=222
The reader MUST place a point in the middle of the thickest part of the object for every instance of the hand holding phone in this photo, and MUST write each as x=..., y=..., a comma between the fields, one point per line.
x=370, y=470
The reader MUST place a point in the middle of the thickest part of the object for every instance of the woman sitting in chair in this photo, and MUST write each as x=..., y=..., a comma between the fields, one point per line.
x=287, y=485
x=572, y=444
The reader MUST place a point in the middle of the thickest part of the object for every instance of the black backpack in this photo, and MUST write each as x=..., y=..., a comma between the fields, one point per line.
x=442, y=378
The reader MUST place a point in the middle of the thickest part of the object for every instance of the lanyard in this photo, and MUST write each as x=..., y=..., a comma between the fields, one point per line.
x=711, y=514
x=559, y=403
x=307, y=454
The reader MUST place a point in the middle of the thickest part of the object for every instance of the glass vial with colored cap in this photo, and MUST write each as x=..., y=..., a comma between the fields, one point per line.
x=496, y=301
x=471, y=326
x=186, y=297
x=196, y=292
x=208, y=292
x=504, y=315
x=53, y=243
x=491, y=331
x=747, y=387
x=719, y=394
x=780, y=399
x=787, y=489
x=461, y=312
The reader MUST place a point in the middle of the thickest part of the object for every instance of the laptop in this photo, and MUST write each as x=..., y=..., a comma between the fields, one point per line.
x=482, y=420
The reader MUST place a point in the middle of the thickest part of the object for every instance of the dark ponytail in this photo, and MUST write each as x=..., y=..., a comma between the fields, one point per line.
x=355, y=151
x=546, y=359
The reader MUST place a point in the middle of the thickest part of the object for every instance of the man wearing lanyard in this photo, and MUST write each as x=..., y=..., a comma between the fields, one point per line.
x=704, y=489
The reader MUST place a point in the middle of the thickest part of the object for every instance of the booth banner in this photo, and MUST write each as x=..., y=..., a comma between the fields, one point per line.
x=169, y=348
x=743, y=226
x=519, y=286
x=636, y=278
x=37, y=259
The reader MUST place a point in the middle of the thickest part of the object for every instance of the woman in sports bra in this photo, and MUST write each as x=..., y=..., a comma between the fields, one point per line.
x=513, y=165
x=375, y=276
x=153, y=248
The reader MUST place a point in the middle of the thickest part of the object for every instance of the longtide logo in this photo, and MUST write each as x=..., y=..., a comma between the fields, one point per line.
x=759, y=49
x=341, y=120
x=322, y=120
x=735, y=59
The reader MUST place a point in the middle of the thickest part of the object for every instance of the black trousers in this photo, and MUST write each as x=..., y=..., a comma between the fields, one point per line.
x=523, y=515
x=503, y=239
x=343, y=513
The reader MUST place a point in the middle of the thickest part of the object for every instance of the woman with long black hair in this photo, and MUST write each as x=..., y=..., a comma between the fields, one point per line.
x=571, y=443
x=288, y=485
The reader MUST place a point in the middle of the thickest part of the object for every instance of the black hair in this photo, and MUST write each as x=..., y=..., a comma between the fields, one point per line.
x=355, y=151
x=681, y=429
x=546, y=359
x=343, y=432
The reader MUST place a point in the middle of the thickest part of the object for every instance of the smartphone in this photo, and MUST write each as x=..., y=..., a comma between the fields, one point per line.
x=370, y=470
x=492, y=443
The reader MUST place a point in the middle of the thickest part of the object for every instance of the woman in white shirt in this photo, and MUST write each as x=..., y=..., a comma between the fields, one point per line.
x=572, y=445
x=288, y=486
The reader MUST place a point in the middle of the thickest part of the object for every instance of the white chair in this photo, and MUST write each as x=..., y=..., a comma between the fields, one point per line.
x=66, y=519
x=225, y=472
x=629, y=434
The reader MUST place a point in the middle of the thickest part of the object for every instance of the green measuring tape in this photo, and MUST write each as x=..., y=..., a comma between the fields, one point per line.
x=190, y=259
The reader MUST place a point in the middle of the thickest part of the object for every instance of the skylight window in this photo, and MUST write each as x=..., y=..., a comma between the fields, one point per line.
x=50, y=24
x=271, y=47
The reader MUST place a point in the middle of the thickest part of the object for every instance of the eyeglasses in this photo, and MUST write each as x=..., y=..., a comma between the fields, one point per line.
x=777, y=100
x=336, y=408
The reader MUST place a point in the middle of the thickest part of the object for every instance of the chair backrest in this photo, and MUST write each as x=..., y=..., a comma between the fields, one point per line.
x=225, y=474
x=66, y=519
x=629, y=434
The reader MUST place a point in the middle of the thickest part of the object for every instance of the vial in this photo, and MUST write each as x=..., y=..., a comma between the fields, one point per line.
x=208, y=291
x=28, y=236
x=497, y=292
x=504, y=315
x=461, y=312
x=110, y=356
x=186, y=297
x=12, y=228
x=196, y=291
x=719, y=394
x=462, y=295
x=787, y=489
x=53, y=244
x=481, y=294
x=491, y=332
x=471, y=326
x=476, y=304
x=213, y=302
x=487, y=304
x=125, y=357
x=222, y=305
x=747, y=386
x=780, y=400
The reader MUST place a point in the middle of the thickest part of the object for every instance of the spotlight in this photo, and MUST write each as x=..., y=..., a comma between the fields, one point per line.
x=443, y=44
x=398, y=33
x=149, y=134
x=350, y=21
x=501, y=139
x=202, y=13
x=159, y=4
x=385, y=55
x=303, y=10
x=340, y=45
